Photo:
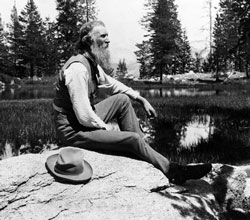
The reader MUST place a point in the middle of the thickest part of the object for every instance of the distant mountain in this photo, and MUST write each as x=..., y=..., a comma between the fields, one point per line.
x=133, y=68
x=120, y=52
x=203, y=52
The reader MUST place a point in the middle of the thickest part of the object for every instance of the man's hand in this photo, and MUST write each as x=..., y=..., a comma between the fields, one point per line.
x=111, y=126
x=147, y=107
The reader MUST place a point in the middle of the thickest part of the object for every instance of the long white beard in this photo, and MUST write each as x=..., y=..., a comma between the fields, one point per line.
x=102, y=56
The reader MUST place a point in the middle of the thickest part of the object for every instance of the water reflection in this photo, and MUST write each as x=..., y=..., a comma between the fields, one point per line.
x=36, y=92
x=8, y=93
x=154, y=93
x=6, y=151
x=183, y=133
x=188, y=136
x=199, y=128
x=48, y=92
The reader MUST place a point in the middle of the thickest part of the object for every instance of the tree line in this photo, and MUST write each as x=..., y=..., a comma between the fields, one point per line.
x=231, y=48
x=167, y=49
x=35, y=47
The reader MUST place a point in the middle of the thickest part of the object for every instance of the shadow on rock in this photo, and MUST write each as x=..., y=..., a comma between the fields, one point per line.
x=193, y=200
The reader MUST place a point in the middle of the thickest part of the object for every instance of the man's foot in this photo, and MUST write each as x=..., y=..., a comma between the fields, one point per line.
x=179, y=174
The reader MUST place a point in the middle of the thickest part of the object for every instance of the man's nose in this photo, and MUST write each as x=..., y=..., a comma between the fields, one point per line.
x=107, y=41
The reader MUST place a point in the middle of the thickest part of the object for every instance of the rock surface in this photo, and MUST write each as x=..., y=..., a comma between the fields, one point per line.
x=121, y=188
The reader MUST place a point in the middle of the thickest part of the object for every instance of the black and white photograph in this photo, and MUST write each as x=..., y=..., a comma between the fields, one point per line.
x=125, y=110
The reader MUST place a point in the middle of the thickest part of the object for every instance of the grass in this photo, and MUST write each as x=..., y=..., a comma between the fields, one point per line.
x=235, y=102
x=28, y=125
x=230, y=142
x=8, y=79
x=26, y=81
x=44, y=81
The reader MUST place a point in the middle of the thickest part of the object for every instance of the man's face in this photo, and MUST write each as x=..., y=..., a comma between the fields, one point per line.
x=100, y=37
x=99, y=47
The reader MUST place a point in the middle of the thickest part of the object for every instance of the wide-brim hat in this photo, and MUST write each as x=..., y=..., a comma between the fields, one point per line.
x=69, y=166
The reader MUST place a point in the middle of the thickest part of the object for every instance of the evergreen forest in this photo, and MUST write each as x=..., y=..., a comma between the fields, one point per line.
x=32, y=46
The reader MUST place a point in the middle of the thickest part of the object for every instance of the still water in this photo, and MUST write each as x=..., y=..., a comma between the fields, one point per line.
x=194, y=136
x=197, y=130
x=155, y=93
x=48, y=92
x=180, y=134
x=32, y=92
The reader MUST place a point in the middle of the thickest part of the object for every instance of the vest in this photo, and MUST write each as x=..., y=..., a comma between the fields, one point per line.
x=62, y=100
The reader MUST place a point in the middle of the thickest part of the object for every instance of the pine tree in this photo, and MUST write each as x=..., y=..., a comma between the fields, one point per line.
x=16, y=42
x=225, y=37
x=89, y=9
x=197, y=62
x=184, y=55
x=144, y=58
x=165, y=37
x=232, y=35
x=3, y=50
x=242, y=10
x=33, y=44
x=72, y=14
x=122, y=69
x=144, y=55
x=51, y=59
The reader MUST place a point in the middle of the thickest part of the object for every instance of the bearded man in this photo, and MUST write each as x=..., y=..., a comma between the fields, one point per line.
x=82, y=123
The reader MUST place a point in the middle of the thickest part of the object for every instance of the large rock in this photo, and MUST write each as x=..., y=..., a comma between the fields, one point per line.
x=121, y=188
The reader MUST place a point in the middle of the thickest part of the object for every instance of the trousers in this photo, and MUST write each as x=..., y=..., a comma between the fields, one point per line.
x=129, y=139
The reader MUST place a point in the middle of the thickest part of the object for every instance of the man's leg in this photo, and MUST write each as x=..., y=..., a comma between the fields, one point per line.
x=119, y=107
x=129, y=139
x=122, y=141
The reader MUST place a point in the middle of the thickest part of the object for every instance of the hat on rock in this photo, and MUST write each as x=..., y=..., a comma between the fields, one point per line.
x=69, y=166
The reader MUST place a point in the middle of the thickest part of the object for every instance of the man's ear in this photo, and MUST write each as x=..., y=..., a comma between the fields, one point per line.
x=87, y=39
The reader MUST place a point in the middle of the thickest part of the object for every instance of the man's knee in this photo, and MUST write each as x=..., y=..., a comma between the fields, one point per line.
x=136, y=141
x=123, y=98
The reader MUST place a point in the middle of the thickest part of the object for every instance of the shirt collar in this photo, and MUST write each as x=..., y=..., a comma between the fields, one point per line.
x=92, y=60
x=90, y=57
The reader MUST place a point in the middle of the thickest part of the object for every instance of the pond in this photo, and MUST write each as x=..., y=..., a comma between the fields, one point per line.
x=33, y=92
x=163, y=93
x=190, y=136
x=184, y=134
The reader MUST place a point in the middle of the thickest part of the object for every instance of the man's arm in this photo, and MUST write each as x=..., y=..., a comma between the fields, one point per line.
x=114, y=86
x=118, y=87
x=76, y=80
x=147, y=106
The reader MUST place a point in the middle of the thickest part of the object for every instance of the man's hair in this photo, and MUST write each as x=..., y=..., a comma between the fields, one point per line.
x=84, y=40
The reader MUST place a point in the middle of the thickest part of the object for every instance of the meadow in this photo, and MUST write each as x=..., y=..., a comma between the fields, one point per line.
x=27, y=126
x=229, y=138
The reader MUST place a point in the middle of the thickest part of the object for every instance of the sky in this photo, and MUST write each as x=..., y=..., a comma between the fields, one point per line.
x=122, y=19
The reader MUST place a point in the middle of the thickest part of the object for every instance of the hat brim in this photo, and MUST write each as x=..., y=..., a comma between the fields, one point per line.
x=83, y=177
